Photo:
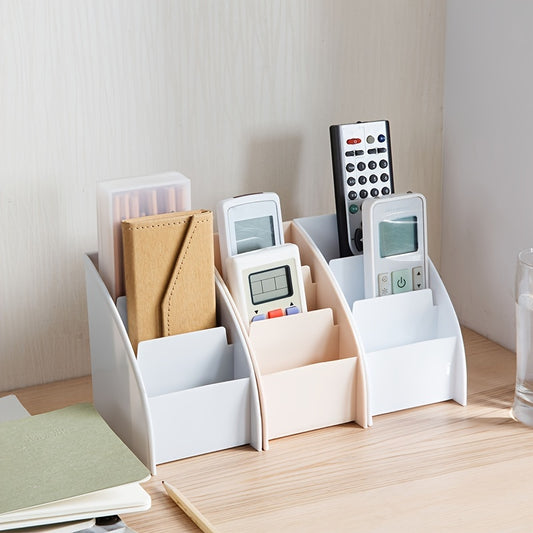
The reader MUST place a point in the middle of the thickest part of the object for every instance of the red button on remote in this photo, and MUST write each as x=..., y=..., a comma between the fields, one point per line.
x=354, y=140
x=275, y=313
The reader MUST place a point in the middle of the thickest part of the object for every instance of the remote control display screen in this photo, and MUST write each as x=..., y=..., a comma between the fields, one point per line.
x=271, y=284
x=254, y=233
x=398, y=236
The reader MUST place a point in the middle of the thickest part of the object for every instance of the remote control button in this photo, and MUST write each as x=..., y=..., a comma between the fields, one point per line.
x=350, y=167
x=353, y=209
x=418, y=278
x=351, y=181
x=372, y=165
x=352, y=195
x=384, y=287
x=381, y=138
x=373, y=178
x=363, y=194
x=359, y=152
x=381, y=150
x=372, y=151
x=349, y=153
x=275, y=313
x=362, y=180
x=383, y=163
x=370, y=139
x=292, y=310
x=401, y=281
x=256, y=318
x=358, y=239
x=385, y=191
x=361, y=166
x=374, y=192
x=354, y=140
x=384, y=177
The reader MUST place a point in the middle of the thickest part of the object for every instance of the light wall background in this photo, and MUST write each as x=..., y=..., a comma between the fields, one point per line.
x=237, y=95
x=487, y=212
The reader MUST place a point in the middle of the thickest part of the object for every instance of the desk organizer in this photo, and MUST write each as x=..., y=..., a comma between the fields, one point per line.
x=183, y=395
x=309, y=367
x=412, y=343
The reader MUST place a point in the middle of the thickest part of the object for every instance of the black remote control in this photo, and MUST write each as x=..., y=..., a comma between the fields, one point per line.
x=362, y=168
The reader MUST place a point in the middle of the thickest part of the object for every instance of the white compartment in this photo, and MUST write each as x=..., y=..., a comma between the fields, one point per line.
x=412, y=342
x=183, y=395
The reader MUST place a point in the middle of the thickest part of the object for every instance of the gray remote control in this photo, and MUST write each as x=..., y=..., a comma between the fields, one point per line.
x=362, y=168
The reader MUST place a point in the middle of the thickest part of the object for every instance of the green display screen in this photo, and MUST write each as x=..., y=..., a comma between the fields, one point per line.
x=398, y=236
x=254, y=233
x=269, y=285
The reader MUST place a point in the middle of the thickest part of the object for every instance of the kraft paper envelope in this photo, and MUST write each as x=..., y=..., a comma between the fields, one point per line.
x=169, y=274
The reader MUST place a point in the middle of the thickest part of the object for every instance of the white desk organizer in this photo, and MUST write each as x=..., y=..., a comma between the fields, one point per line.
x=412, y=342
x=309, y=368
x=182, y=395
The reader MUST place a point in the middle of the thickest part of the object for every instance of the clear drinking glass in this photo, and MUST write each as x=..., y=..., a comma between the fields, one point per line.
x=522, y=409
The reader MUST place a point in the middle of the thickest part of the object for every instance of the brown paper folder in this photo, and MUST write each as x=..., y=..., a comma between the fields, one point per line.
x=169, y=274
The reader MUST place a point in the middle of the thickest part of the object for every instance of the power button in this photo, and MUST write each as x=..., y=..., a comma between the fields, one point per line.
x=401, y=281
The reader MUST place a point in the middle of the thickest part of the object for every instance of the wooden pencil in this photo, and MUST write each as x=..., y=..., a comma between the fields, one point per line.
x=189, y=509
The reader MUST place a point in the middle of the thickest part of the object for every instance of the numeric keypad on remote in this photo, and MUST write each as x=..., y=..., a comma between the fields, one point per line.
x=362, y=168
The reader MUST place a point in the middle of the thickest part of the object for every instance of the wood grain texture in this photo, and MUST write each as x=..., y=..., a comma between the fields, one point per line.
x=238, y=96
x=441, y=467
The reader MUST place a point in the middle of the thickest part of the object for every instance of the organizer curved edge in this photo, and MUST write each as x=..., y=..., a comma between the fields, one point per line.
x=258, y=430
x=443, y=299
x=364, y=416
x=111, y=352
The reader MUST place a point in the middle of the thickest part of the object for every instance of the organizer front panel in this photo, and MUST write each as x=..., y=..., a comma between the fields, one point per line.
x=201, y=420
x=310, y=397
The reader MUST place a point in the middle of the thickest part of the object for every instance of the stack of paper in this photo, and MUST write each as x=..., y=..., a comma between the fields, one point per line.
x=66, y=465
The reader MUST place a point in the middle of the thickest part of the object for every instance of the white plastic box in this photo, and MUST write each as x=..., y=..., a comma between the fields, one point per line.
x=204, y=391
x=124, y=198
x=412, y=343
x=182, y=395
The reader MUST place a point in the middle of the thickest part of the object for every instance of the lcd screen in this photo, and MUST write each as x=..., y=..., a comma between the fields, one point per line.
x=398, y=236
x=254, y=233
x=269, y=285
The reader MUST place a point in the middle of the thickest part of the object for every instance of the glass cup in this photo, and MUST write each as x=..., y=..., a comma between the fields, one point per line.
x=522, y=409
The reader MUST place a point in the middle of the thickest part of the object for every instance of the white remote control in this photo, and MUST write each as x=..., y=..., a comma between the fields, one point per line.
x=362, y=168
x=395, y=258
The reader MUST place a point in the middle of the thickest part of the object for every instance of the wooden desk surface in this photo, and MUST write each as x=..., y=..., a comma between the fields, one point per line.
x=441, y=467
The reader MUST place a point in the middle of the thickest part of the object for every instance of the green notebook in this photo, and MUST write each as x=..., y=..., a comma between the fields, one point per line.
x=62, y=454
